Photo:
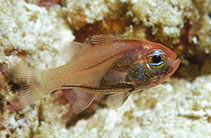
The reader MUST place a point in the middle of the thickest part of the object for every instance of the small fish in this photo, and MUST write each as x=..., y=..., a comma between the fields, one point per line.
x=107, y=66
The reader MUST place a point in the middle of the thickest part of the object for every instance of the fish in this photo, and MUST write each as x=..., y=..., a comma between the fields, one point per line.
x=106, y=66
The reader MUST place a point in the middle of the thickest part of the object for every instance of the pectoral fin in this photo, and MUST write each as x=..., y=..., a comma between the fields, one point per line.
x=80, y=99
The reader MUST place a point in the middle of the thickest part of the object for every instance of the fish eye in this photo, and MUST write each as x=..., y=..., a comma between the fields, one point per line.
x=156, y=59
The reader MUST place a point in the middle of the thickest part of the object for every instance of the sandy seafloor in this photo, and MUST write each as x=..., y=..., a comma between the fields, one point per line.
x=35, y=31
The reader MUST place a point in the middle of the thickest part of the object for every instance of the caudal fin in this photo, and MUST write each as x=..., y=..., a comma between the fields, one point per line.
x=30, y=81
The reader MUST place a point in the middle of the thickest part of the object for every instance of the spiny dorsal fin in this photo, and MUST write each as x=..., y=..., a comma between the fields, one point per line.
x=72, y=50
x=116, y=100
x=102, y=39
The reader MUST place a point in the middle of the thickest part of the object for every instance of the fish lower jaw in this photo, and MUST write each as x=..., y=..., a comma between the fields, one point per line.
x=176, y=63
x=174, y=66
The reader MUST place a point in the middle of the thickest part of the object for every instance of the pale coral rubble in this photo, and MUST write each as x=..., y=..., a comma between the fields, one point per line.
x=177, y=108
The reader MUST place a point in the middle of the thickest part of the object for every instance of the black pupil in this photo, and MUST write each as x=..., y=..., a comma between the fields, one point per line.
x=156, y=58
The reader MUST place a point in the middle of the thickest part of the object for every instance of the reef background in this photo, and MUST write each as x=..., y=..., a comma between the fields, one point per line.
x=36, y=31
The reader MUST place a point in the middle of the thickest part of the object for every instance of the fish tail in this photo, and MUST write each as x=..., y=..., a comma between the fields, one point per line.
x=30, y=81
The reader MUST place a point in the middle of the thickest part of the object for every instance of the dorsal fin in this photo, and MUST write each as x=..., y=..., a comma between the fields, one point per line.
x=72, y=50
x=102, y=39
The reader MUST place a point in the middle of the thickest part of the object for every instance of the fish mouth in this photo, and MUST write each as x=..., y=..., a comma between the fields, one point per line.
x=174, y=64
x=170, y=70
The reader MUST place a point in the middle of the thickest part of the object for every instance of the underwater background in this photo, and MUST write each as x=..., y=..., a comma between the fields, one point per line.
x=35, y=31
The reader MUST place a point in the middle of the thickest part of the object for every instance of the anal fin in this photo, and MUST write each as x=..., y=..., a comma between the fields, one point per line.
x=80, y=99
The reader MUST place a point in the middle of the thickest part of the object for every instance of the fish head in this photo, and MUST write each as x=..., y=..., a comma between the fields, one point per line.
x=154, y=64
